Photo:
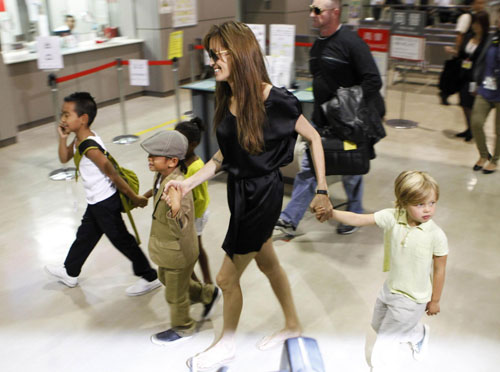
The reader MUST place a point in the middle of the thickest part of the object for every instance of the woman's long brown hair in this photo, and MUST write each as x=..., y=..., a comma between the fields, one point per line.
x=248, y=72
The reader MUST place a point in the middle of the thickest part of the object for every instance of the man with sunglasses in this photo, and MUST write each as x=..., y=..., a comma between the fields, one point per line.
x=338, y=58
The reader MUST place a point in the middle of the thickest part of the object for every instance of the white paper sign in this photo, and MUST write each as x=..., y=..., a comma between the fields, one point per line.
x=282, y=40
x=260, y=34
x=407, y=47
x=164, y=6
x=185, y=13
x=49, y=53
x=280, y=70
x=138, y=72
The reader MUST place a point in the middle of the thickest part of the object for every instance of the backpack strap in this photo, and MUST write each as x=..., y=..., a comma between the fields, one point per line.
x=88, y=144
x=83, y=147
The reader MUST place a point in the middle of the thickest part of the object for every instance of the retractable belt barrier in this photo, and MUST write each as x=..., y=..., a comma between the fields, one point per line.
x=297, y=43
x=53, y=80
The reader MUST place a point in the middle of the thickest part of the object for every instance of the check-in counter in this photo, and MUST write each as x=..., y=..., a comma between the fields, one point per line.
x=29, y=96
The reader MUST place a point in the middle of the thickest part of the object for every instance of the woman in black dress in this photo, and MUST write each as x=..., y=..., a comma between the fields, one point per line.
x=256, y=126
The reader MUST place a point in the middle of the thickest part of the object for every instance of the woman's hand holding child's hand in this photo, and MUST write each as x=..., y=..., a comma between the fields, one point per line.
x=322, y=214
x=321, y=202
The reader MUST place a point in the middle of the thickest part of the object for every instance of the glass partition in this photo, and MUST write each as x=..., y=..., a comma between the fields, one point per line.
x=78, y=23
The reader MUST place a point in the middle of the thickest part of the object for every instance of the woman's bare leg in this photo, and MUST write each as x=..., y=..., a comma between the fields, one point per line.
x=228, y=280
x=268, y=263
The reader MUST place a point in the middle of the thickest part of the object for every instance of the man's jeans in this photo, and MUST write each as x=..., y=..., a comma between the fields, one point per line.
x=304, y=188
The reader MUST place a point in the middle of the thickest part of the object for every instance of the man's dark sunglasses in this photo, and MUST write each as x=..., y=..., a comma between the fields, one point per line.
x=317, y=10
x=216, y=55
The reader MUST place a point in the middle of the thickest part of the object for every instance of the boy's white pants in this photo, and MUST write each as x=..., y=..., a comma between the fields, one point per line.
x=395, y=320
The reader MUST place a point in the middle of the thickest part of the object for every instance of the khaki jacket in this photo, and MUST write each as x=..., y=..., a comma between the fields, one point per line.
x=173, y=243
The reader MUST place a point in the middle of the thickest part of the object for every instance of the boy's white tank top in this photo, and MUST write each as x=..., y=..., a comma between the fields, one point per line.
x=97, y=185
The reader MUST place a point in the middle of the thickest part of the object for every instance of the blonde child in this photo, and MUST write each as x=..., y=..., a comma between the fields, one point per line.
x=413, y=245
x=173, y=245
x=192, y=130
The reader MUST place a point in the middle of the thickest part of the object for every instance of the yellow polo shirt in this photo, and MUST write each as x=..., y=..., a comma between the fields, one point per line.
x=200, y=193
x=408, y=253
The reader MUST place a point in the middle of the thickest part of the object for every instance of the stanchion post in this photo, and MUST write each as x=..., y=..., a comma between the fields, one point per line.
x=191, y=60
x=55, y=96
x=402, y=123
x=119, y=72
x=59, y=174
x=175, y=70
x=126, y=138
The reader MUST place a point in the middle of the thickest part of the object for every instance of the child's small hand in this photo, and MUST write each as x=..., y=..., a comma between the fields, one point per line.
x=323, y=202
x=140, y=201
x=179, y=185
x=63, y=133
x=174, y=200
x=322, y=214
x=432, y=308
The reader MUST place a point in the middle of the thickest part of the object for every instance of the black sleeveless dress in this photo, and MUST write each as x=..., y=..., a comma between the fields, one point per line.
x=255, y=184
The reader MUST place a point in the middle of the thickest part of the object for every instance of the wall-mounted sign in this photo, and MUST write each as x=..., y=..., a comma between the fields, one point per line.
x=164, y=6
x=282, y=41
x=175, y=44
x=185, y=13
x=260, y=34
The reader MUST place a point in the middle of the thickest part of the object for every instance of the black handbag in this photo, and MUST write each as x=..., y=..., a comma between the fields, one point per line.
x=449, y=82
x=344, y=157
x=346, y=138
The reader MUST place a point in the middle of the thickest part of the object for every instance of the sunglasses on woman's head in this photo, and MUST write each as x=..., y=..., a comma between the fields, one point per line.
x=215, y=56
x=316, y=10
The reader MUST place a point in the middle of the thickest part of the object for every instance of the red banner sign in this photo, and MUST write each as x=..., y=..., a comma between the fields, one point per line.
x=377, y=39
x=2, y=6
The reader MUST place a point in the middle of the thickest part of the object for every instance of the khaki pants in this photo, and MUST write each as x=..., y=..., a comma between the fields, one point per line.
x=180, y=291
x=480, y=112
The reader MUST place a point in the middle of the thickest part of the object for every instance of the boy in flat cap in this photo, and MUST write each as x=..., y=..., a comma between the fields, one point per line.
x=173, y=243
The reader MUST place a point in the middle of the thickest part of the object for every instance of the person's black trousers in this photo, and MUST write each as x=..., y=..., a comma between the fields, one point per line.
x=105, y=218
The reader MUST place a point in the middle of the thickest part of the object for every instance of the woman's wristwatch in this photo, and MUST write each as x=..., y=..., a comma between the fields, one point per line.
x=322, y=192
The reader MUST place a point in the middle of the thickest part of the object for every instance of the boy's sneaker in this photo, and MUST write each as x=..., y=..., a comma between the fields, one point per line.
x=285, y=227
x=142, y=286
x=209, y=308
x=60, y=273
x=169, y=337
x=346, y=229
x=420, y=348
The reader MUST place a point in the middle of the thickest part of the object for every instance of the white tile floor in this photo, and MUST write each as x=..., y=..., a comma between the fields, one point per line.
x=45, y=326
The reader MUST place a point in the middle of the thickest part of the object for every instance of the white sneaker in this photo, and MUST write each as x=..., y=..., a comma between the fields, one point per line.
x=420, y=349
x=60, y=273
x=142, y=286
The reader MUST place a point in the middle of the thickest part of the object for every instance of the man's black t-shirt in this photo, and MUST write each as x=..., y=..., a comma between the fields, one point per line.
x=341, y=60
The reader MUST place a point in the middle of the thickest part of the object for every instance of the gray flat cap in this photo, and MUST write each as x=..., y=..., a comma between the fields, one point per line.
x=169, y=143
